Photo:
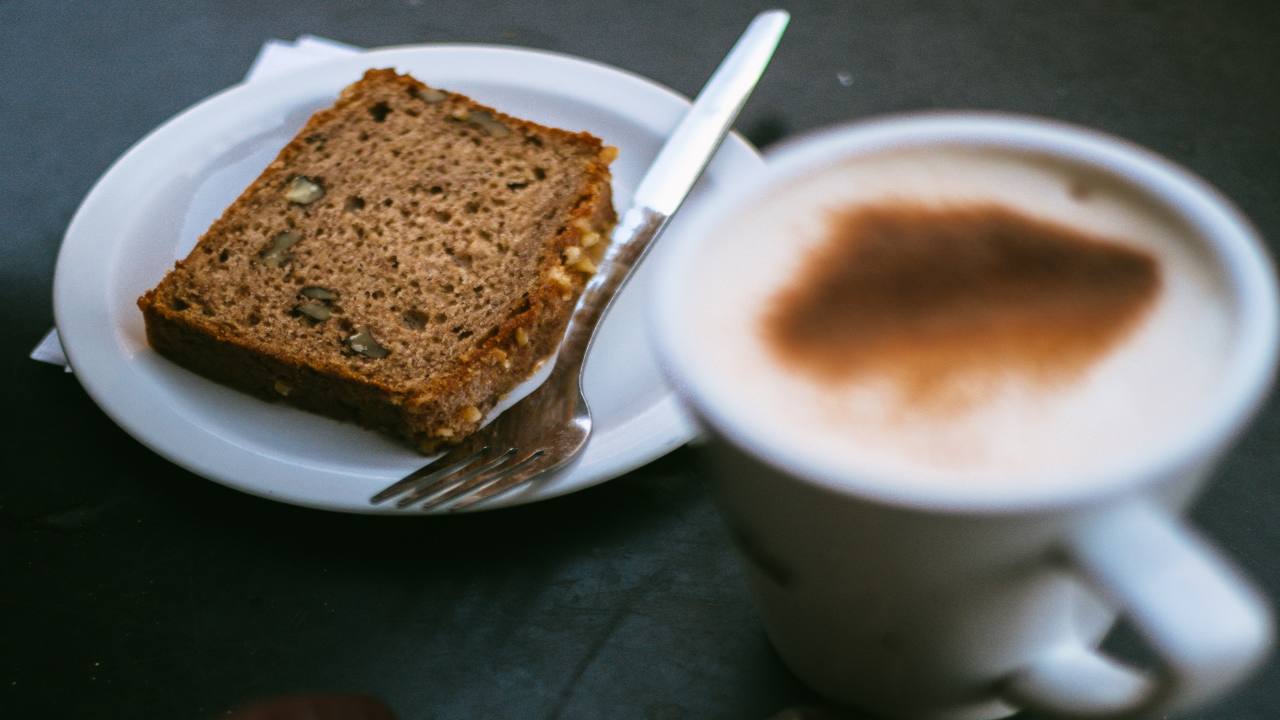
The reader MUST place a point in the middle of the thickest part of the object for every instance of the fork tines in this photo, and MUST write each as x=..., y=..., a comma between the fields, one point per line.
x=464, y=471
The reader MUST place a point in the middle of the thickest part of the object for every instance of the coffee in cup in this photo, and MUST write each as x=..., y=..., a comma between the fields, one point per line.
x=951, y=314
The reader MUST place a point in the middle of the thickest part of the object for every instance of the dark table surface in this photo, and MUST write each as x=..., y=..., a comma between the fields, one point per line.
x=131, y=588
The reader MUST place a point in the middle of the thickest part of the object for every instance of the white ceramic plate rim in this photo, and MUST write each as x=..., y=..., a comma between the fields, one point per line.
x=105, y=368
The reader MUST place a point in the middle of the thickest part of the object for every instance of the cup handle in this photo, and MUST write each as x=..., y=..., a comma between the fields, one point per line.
x=1206, y=625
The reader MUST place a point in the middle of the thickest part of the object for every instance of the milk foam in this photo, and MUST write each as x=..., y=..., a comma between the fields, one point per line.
x=1142, y=391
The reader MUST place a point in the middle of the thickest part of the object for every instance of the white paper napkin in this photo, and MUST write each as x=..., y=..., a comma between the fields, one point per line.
x=275, y=57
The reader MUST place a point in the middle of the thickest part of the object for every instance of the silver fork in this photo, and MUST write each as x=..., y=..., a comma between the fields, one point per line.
x=548, y=429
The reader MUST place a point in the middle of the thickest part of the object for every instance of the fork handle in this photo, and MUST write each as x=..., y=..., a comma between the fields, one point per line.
x=665, y=185
x=636, y=231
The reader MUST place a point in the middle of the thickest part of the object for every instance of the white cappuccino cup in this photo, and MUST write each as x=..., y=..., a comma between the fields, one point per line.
x=946, y=481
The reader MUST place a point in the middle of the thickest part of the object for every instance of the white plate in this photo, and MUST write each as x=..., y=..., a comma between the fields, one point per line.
x=152, y=204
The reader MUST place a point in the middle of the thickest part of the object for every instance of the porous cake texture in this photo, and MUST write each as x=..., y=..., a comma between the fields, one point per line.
x=407, y=259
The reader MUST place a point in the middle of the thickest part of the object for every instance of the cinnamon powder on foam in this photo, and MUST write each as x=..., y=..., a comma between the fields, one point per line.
x=943, y=300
